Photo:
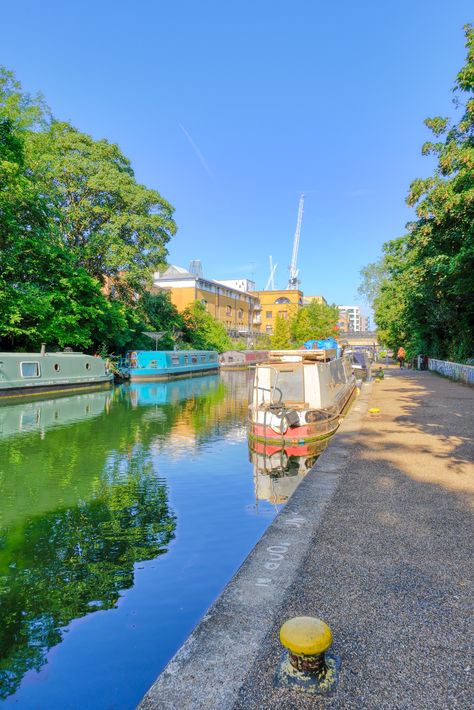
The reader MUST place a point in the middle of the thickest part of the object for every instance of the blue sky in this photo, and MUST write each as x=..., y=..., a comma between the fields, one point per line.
x=232, y=109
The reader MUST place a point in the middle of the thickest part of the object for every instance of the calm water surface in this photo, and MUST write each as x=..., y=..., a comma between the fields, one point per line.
x=122, y=516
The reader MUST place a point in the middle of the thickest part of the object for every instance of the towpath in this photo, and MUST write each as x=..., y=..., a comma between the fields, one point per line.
x=388, y=565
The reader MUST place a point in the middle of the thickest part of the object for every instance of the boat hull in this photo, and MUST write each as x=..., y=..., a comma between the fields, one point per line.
x=140, y=376
x=294, y=437
x=52, y=388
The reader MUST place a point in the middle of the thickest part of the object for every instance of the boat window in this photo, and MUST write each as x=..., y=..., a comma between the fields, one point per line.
x=212, y=357
x=88, y=366
x=203, y=358
x=194, y=358
x=153, y=364
x=30, y=369
x=175, y=359
x=185, y=359
x=57, y=366
x=289, y=380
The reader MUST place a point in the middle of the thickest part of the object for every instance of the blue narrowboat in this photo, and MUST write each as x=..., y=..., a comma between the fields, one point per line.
x=145, y=365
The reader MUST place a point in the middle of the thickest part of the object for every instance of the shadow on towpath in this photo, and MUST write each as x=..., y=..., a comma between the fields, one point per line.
x=390, y=567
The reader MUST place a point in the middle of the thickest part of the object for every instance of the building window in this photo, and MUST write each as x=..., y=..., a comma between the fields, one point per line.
x=269, y=329
x=241, y=313
x=30, y=369
x=228, y=310
x=283, y=314
x=268, y=314
x=282, y=300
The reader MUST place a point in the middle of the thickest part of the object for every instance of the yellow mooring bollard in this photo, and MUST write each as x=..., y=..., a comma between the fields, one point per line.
x=307, y=664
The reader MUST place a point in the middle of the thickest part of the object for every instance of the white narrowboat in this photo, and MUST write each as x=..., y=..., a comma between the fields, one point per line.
x=298, y=397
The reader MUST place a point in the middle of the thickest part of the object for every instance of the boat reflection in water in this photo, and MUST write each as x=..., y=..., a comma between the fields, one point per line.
x=279, y=471
x=80, y=505
x=41, y=415
x=84, y=497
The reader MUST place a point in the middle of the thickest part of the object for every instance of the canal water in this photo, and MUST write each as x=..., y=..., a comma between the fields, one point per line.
x=123, y=514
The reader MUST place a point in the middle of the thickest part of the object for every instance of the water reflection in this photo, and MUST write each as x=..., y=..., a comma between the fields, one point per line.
x=278, y=471
x=81, y=502
x=85, y=485
x=39, y=416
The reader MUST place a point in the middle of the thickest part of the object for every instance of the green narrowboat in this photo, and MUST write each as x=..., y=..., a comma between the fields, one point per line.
x=32, y=374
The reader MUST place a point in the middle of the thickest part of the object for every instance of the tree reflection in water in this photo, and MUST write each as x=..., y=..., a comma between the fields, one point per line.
x=79, y=507
x=81, y=501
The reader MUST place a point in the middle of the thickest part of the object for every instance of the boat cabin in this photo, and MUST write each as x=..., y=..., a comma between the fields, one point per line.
x=163, y=364
x=303, y=379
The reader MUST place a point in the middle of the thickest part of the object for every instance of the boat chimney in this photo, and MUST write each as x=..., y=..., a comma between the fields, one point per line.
x=43, y=349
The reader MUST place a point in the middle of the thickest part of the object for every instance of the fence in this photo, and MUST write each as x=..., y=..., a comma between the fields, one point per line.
x=454, y=370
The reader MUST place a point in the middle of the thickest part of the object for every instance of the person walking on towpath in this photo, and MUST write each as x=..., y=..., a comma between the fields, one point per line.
x=401, y=355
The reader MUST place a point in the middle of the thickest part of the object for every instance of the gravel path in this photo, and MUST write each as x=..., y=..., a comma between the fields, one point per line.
x=390, y=566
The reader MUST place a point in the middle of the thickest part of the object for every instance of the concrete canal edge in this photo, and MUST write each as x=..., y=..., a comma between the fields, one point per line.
x=211, y=666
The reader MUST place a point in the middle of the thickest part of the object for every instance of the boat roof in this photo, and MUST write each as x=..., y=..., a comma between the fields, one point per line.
x=39, y=354
x=169, y=352
x=306, y=355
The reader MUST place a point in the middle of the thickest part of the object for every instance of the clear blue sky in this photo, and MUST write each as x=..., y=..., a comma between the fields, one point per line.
x=232, y=109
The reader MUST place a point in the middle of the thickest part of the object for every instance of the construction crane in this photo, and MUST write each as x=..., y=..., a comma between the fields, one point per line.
x=293, y=278
x=271, y=279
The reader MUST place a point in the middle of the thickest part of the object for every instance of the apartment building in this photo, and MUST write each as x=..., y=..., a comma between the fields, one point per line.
x=351, y=316
x=231, y=306
x=319, y=299
x=274, y=303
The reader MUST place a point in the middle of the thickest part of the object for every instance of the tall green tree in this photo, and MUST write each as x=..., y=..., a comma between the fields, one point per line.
x=281, y=336
x=423, y=295
x=203, y=331
x=72, y=217
x=313, y=321
x=114, y=226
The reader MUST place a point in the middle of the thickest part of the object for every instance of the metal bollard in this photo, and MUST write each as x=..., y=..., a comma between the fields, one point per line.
x=307, y=663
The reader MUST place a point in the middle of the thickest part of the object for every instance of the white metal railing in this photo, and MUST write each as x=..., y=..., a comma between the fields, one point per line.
x=454, y=370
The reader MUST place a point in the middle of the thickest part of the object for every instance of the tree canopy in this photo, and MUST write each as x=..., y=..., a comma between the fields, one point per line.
x=110, y=223
x=203, y=331
x=312, y=321
x=73, y=219
x=421, y=289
